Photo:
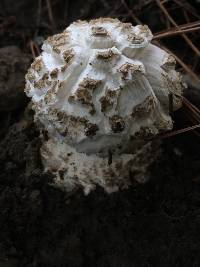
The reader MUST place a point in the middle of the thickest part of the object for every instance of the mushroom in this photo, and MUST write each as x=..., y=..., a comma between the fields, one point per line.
x=99, y=90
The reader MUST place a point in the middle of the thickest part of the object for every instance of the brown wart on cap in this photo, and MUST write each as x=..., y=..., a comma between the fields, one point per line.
x=30, y=76
x=91, y=129
x=54, y=73
x=117, y=123
x=107, y=100
x=127, y=68
x=83, y=93
x=135, y=38
x=109, y=54
x=75, y=122
x=38, y=64
x=57, y=41
x=99, y=31
x=68, y=55
x=169, y=62
x=147, y=106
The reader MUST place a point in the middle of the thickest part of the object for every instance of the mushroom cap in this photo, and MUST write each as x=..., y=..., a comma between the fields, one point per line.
x=99, y=85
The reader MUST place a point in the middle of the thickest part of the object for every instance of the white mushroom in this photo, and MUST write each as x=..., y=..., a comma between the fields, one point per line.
x=98, y=90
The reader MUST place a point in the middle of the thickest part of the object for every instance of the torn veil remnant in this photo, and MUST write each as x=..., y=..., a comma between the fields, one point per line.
x=99, y=89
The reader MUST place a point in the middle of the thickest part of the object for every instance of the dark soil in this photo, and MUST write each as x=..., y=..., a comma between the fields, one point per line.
x=156, y=224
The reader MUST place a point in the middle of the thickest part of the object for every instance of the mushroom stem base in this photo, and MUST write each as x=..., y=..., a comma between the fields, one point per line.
x=73, y=170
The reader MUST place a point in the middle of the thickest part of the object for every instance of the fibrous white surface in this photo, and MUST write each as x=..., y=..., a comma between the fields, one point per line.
x=98, y=89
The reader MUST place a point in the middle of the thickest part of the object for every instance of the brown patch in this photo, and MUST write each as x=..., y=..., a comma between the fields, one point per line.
x=105, y=103
x=135, y=39
x=71, y=125
x=68, y=55
x=99, y=31
x=169, y=62
x=60, y=84
x=45, y=77
x=107, y=100
x=117, y=123
x=30, y=76
x=145, y=107
x=82, y=120
x=144, y=29
x=63, y=68
x=175, y=84
x=84, y=92
x=144, y=132
x=60, y=37
x=91, y=129
x=56, y=50
x=61, y=115
x=37, y=65
x=163, y=124
x=106, y=55
x=126, y=26
x=54, y=73
x=40, y=84
x=128, y=67
x=58, y=40
x=51, y=93
x=43, y=82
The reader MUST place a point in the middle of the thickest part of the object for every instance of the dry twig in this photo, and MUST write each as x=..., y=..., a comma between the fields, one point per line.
x=50, y=14
x=35, y=51
x=194, y=48
x=184, y=130
x=189, y=27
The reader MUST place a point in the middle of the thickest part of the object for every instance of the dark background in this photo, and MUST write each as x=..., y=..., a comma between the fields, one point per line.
x=156, y=224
